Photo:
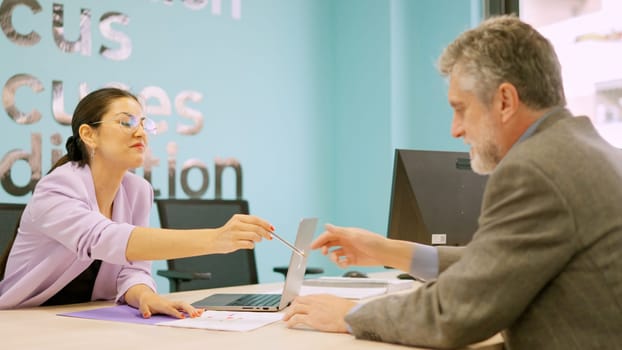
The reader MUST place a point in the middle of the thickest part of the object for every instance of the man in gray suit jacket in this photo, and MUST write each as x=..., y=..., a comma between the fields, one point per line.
x=544, y=266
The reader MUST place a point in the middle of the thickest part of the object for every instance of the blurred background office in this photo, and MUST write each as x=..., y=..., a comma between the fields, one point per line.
x=296, y=106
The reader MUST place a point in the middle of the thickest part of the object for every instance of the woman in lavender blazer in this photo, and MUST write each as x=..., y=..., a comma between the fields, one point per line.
x=84, y=236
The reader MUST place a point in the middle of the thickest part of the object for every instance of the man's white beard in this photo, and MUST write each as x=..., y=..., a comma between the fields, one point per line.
x=484, y=164
x=482, y=167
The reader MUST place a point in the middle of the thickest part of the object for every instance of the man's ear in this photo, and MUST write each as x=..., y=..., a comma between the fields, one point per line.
x=508, y=96
x=88, y=135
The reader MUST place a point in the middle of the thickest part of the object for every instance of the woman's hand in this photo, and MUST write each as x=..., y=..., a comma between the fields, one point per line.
x=153, y=303
x=241, y=232
x=150, y=303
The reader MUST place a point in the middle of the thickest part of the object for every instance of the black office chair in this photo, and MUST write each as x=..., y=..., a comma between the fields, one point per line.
x=206, y=271
x=10, y=214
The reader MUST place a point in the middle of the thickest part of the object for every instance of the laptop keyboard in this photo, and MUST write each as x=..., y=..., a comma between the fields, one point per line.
x=257, y=300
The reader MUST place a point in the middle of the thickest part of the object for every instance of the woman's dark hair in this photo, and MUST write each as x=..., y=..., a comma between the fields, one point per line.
x=88, y=111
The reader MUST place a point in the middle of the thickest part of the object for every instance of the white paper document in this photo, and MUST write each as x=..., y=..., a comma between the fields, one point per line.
x=344, y=292
x=227, y=321
x=353, y=288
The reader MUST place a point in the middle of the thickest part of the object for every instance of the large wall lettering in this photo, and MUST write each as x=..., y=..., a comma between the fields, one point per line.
x=116, y=46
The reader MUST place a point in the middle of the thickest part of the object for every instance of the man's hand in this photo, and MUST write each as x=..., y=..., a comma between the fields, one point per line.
x=322, y=312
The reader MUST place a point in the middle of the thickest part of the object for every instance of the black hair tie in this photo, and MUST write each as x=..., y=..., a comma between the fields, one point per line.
x=73, y=149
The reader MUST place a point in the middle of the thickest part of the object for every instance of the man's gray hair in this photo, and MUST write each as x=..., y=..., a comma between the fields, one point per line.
x=505, y=49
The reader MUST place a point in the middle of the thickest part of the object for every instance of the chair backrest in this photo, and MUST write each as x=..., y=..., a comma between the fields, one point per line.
x=237, y=268
x=10, y=213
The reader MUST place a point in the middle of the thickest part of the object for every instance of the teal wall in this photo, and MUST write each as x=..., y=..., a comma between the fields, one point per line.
x=388, y=95
x=311, y=96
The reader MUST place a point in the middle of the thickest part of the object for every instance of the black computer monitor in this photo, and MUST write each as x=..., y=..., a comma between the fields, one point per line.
x=436, y=197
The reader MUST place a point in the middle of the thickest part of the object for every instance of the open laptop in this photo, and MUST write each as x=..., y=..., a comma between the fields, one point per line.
x=270, y=302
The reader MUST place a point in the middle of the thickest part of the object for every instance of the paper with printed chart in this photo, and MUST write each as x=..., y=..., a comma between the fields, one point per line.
x=227, y=320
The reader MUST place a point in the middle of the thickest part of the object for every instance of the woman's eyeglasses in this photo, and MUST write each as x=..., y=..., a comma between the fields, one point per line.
x=130, y=123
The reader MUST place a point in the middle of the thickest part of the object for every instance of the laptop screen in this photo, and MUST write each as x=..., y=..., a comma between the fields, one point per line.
x=297, y=263
x=293, y=280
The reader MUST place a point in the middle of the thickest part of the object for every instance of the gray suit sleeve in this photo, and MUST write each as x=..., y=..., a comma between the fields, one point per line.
x=447, y=256
x=521, y=243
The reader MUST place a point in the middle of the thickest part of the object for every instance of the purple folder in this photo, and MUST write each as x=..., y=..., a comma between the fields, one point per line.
x=118, y=313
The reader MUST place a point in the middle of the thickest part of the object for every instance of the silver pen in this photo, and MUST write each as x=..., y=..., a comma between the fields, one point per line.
x=289, y=245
